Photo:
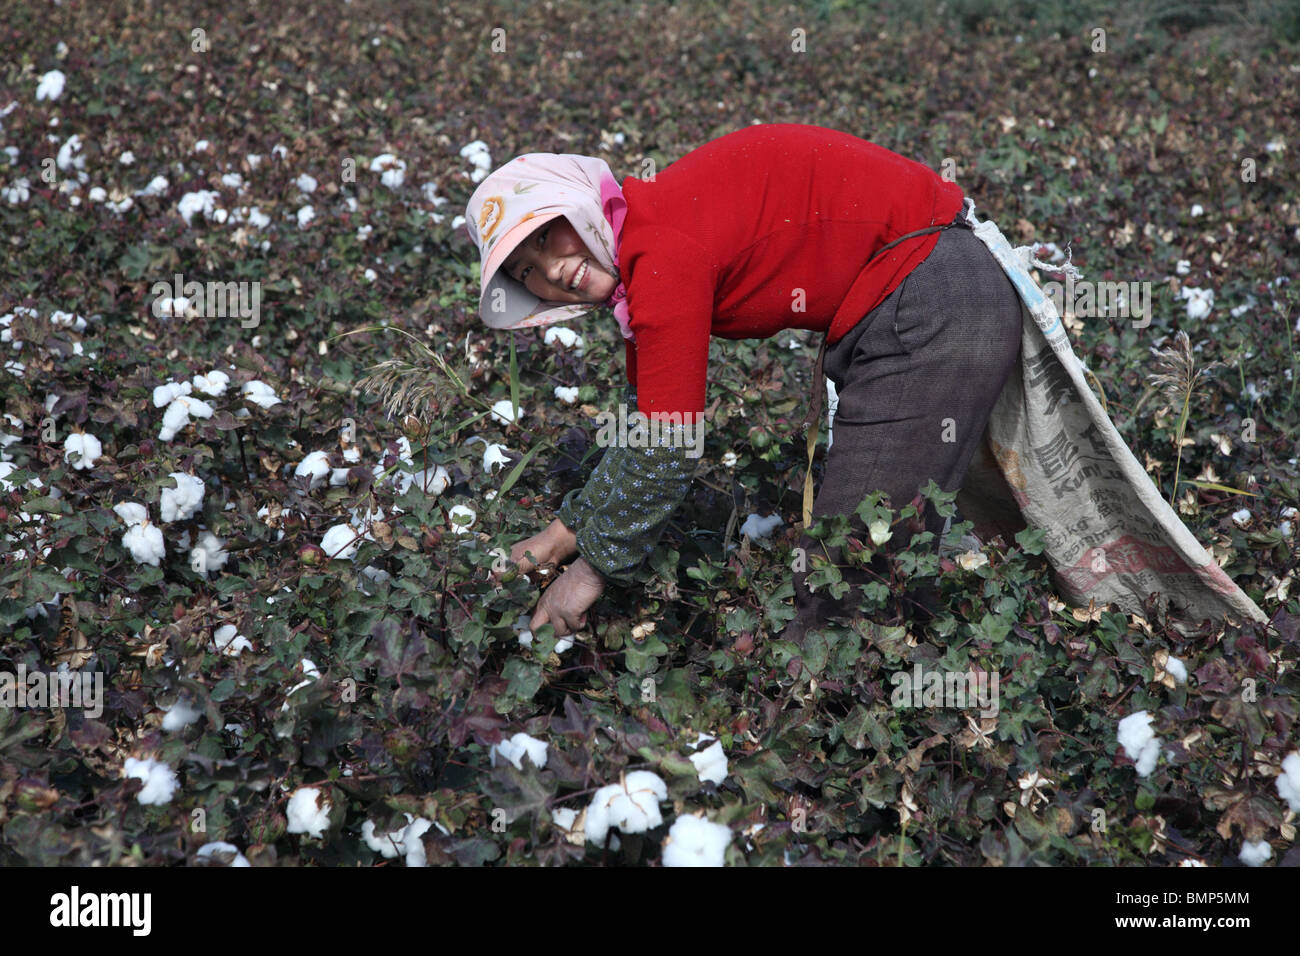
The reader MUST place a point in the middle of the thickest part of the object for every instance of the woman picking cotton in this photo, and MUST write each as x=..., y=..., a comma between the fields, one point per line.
x=768, y=228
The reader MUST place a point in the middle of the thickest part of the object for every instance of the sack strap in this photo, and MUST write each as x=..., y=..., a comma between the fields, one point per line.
x=812, y=420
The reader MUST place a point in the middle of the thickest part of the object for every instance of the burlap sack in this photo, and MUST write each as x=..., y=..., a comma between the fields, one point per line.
x=1110, y=535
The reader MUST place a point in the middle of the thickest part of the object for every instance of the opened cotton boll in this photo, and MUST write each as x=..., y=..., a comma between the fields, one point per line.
x=711, y=764
x=226, y=641
x=82, y=450
x=1255, y=852
x=259, y=393
x=632, y=805
x=1139, y=741
x=159, y=780
x=461, y=519
x=145, y=543
x=316, y=467
x=568, y=395
x=756, y=526
x=308, y=812
x=564, y=337
x=515, y=748
x=504, y=411
x=180, y=715
x=562, y=644
x=696, y=841
x=183, y=501
x=218, y=853
x=340, y=542
x=1288, y=781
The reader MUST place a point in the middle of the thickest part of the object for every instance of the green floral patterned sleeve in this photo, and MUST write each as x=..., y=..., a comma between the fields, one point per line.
x=624, y=525
x=577, y=505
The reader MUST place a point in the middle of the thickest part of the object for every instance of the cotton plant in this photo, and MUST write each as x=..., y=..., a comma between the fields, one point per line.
x=308, y=812
x=696, y=841
x=514, y=749
x=160, y=781
x=631, y=805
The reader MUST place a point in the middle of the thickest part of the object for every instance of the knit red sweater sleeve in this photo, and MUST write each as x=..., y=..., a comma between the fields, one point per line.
x=670, y=298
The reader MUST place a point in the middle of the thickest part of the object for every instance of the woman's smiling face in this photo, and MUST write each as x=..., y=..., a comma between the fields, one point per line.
x=551, y=259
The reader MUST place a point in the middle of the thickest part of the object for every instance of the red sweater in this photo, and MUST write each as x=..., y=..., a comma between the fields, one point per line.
x=719, y=242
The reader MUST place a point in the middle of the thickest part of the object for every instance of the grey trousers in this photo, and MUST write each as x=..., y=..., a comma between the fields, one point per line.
x=917, y=378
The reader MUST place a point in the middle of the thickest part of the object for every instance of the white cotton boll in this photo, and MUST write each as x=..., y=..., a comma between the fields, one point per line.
x=696, y=841
x=970, y=560
x=68, y=320
x=207, y=852
x=305, y=215
x=51, y=85
x=82, y=450
x=1255, y=853
x=305, y=182
x=308, y=812
x=214, y=383
x=515, y=748
x=19, y=191
x=387, y=845
x=145, y=542
x=568, y=395
x=232, y=180
x=97, y=194
x=340, y=542
x=756, y=526
x=494, y=457
x=632, y=806
x=180, y=715
x=209, y=554
x=1199, y=302
x=391, y=169
x=258, y=219
x=1197, y=209
x=259, y=393
x=226, y=641
x=1183, y=267
x=461, y=518
x=159, y=780
x=370, y=275
x=562, y=644
x=1241, y=518
x=566, y=337
x=70, y=157
x=711, y=763
x=203, y=201
x=181, y=502
x=1176, y=669
x=1139, y=741
x=164, y=395
x=1288, y=781
x=157, y=186
x=179, y=413
x=729, y=459
x=504, y=411
x=316, y=466
x=131, y=512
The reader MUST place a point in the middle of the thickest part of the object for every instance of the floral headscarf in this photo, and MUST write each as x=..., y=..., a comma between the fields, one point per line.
x=520, y=196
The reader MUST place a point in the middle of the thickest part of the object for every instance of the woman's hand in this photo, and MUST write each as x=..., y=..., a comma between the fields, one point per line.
x=564, y=604
x=555, y=545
